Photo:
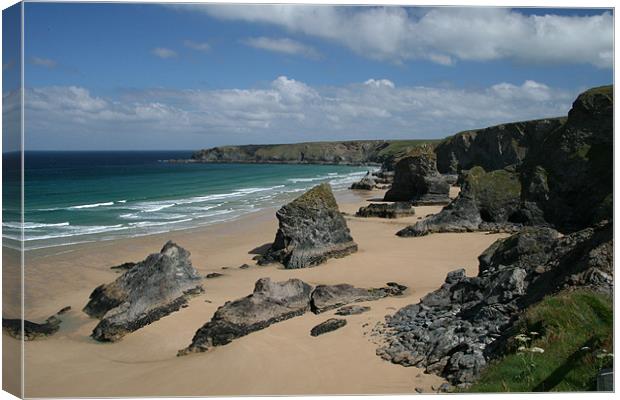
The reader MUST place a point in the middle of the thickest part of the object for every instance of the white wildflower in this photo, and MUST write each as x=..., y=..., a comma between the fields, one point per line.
x=537, y=350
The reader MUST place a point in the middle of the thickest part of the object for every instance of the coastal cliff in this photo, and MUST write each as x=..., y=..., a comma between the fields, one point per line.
x=494, y=147
x=359, y=152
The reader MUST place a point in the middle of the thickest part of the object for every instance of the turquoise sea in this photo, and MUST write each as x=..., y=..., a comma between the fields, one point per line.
x=75, y=197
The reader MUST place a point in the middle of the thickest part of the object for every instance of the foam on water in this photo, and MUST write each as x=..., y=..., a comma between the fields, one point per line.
x=141, y=209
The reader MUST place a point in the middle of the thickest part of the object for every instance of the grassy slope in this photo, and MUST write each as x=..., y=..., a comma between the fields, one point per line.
x=567, y=322
x=314, y=150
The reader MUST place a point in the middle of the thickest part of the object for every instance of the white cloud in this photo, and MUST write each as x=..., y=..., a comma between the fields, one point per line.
x=380, y=83
x=163, y=52
x=282, y=45
x=441, y=35
x=43, y=62
x=200, y=46
x=286, y=110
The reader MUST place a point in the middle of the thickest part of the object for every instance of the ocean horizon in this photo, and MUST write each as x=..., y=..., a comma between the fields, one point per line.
x=75, y=197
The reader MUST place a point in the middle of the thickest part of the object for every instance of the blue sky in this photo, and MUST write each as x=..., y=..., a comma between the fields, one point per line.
x=136, y=76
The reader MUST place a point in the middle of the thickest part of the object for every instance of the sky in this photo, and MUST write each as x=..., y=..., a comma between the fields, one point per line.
x=150, y=76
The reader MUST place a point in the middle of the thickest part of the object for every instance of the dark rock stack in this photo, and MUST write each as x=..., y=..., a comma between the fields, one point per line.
x=273, y=302
x=33, y=330
x=397, y=209
x=493, y=148
x=487, y=201
x=454, y=330
x=366, y=183
x=152, y=289
x=311, y=230
x=568, y=179
x=270, y=302
x=417, y=180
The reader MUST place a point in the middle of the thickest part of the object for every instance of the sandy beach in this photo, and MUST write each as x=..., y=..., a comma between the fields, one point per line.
x=282, y=359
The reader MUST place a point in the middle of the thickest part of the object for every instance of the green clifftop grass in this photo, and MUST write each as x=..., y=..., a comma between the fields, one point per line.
x=360, y=152
x=575, y=330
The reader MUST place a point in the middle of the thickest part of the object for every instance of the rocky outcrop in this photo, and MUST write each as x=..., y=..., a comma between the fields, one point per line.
x=328, y=326
x=311, y=230
x=270, y=302
x=565, y=181
x=328, y=297
x=417, y=180
x=155, y=287
x=568, y=179
x=273, y=302
x=366, y=183
x=493, y=148
x=33, y=330
x=397, y=209
x=454, y=330
x=487, y=201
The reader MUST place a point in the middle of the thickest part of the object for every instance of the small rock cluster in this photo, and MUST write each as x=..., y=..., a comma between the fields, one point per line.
x=366, y=183
x=397, y=209
x=272, y=302
x=454, y=331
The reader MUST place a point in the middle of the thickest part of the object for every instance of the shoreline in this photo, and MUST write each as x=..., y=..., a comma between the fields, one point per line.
x=144, y=363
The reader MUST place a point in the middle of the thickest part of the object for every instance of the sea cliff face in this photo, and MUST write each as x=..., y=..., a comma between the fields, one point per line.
x=564, y=181
x=359, y=152
x=494, y=147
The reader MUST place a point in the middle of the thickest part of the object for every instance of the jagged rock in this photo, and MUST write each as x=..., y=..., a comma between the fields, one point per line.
x=352, y=310
x=383, y=210
x=487, y=201
x=33, y=330
x=270, y=302
x=417, y=180
x=493, y=148
x=328, y=326
x=454, y=330
x=273, y=302
x=328, y=297
x=152, y=289
x=244, y=266
x=366, y=183
x=125, y=266
x=311, y=230
x=213, y=275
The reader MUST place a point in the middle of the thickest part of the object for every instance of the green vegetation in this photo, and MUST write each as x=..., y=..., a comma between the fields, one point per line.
x=559, y=344
x=494, y=189
x=399, y=148
x=321, y=194
x=607, y=90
